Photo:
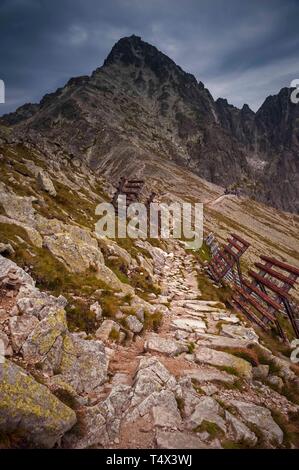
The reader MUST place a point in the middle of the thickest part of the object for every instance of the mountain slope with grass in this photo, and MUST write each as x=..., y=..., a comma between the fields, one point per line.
x=134, y=327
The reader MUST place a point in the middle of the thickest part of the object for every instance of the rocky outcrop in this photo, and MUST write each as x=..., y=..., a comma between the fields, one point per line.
x=67, y=364
x=31, y=409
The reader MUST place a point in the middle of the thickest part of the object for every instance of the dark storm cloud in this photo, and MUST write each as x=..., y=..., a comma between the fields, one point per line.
x=241, y=50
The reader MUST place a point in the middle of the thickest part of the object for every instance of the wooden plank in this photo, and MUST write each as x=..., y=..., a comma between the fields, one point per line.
x=250, y=313
x=268, y=284
x=280, y=264
x=277, y=275
x=230, y=262
x=255, y=303
x=231, y=252
x=262, y=295
x=231, y=241
x=237, y=237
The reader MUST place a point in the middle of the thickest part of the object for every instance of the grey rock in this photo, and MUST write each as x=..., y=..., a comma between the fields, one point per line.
x=45, y=183
x=100, y=422
x=166, y=346
x=20, y=328
x=218, y=341
x=188, y=324
x=284, y=368
x=208, y=410
x=167, y=416
x=209, y=389
x=44, y=345
x=104, y=331
x=241, y=432
x=31, y=301
x=153, y=386
x=260, y=372
x=97, y=310
x=29, y=407
x=5, y=348
x=238, y=331
x=133, y=324
x=7, y=266
x=222, y=359
x=276, y=381
x=210, y=375
x=84, y=363
x=261, y=418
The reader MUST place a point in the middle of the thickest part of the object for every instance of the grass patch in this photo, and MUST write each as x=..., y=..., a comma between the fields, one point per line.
x=79, y=316
x=227, y=444
x=152, y=321
x=191, y=347
x=114, y=335
x=229, y=370
x=110, y=303
x=203, y=254
x=212, y=428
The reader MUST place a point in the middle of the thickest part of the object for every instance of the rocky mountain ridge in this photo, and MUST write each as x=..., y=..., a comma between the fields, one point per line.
x=141, y=105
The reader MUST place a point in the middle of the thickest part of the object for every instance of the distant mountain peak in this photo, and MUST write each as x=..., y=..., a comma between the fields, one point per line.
x=132, y=50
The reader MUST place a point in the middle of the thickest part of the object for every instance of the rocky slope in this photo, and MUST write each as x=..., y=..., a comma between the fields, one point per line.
x=129, y=343
x=140, y=105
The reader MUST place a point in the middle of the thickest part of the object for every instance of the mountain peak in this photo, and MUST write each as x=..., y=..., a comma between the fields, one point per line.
x=126, y=50
x=132, y=50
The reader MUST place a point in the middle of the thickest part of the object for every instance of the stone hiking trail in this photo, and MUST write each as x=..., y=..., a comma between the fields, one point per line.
x=179, y=387
x=182, y=392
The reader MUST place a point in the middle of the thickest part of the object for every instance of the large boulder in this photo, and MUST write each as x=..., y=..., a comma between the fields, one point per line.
x=30, y=408
x=84, y=363
x=261, y=419
x=240, y=431
x=224, y=360
x=17, y=207
x=44, y=344
x=80, y=252
x=153, y=387
x=101, y=423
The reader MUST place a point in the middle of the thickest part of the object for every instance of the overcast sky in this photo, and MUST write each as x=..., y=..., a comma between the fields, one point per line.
x=241, y=50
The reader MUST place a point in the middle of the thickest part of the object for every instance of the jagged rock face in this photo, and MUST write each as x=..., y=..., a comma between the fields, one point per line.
x=270, y=139
x=140, y=105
